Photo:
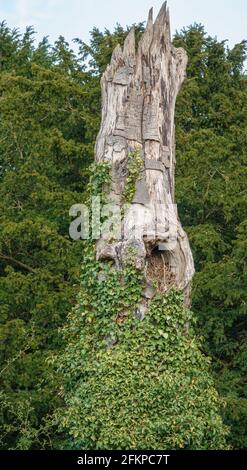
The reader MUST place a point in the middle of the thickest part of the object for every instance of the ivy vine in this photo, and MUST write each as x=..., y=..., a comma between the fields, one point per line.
x=135, y=165
x=132, y=384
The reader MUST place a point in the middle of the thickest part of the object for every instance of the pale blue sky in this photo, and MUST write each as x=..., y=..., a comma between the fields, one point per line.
x=226, y=19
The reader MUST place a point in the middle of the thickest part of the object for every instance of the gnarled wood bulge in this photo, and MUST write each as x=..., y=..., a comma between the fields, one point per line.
x=139, y=90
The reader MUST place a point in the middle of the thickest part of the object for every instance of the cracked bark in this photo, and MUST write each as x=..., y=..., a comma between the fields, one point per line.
x=139, y=90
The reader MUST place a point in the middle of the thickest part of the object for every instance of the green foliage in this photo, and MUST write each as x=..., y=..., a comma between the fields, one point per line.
x=100, y=178
x=47, y=127
x=135, y=164
x=123, y=388
x=98, y=53
x=49, y=118
x=211, y=122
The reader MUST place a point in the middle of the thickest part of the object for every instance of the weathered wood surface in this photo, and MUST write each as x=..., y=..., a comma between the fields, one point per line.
x=139, y=90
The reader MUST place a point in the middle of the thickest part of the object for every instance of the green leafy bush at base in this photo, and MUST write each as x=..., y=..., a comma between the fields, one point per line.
x=131, y=383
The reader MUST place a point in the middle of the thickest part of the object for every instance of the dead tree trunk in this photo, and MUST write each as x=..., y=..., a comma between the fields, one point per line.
x=139, y=90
